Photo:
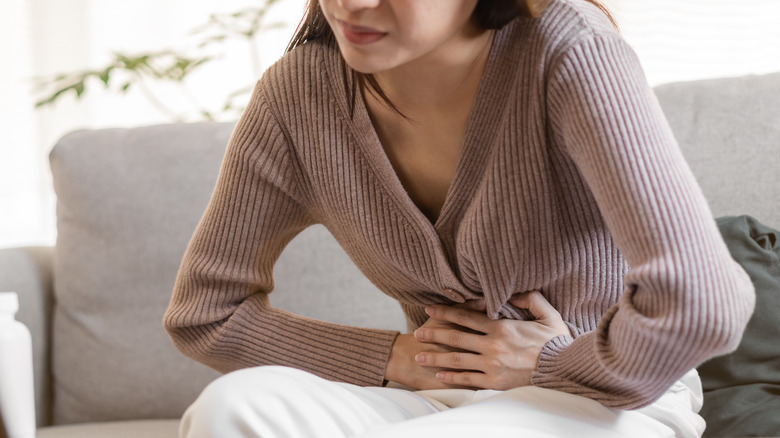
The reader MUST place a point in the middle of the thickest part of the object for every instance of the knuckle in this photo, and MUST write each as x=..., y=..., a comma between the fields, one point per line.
x=494, y=363
x=461, y=315
x=456, y=360
x=455, y=338
x=465, y=379
x=497, y=348
x=503, y=329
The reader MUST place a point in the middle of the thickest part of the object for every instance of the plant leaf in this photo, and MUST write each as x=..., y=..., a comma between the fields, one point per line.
x=105, y=75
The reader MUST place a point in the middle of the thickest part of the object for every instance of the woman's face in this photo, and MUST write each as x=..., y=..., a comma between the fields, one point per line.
x=379, y=35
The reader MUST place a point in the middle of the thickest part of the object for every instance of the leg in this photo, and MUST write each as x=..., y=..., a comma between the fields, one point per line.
x=279, y=402
x=527, y=412
x=543, y=413
x=679, y=407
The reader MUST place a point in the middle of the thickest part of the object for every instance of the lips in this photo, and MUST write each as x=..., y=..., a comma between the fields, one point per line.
x=360, y=35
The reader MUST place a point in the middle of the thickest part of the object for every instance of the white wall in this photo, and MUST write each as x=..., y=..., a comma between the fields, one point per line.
x=680, y=40
x=40, y=38
x=21, y=180
x=675, y=40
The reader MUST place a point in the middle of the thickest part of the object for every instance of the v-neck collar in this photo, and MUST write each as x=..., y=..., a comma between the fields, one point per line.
x=478, y=140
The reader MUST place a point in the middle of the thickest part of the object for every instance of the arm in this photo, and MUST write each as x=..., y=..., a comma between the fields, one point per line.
x=219, y=312
x=685, y=300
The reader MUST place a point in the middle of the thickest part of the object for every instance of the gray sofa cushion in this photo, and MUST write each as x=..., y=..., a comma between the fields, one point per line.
x=119, y=429
x=330, y=277
x=128, y=202
x=729, y=131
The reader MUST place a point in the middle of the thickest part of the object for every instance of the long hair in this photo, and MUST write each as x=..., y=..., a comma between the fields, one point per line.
x=488, y=14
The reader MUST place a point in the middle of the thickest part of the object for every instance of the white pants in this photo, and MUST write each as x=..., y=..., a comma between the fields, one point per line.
x=279, y=402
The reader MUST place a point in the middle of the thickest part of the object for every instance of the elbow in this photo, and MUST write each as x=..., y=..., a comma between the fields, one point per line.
x=190, y=338
x=181, y=334
x=725, y=313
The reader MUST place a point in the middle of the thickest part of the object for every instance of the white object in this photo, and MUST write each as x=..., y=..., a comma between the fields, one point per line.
x=278, y=402
x=17, y=400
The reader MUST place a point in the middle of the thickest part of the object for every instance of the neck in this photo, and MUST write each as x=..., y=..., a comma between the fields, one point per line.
x=444, y=78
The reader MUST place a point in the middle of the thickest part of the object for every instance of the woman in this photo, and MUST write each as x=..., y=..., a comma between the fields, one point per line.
x=503, y=170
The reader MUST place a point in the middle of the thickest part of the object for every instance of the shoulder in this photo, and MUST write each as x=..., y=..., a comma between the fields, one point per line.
x=569, y=22
x=571, y=37
x=298, y=75
x=562, y=26
x=304, y=58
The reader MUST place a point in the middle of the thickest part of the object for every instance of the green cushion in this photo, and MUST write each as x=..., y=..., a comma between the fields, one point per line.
x=742, y=389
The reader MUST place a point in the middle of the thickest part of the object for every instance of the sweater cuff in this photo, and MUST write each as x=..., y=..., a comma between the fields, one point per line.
x=548, y=363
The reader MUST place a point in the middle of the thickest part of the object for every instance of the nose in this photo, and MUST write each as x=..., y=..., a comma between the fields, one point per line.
x=356, y=5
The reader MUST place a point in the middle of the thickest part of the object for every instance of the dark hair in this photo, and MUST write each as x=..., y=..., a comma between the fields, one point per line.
x=488, y=14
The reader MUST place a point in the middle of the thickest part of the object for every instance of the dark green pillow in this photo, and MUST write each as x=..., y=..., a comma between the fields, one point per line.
x=742, y=389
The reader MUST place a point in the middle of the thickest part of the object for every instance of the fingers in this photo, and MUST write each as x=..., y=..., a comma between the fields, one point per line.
x=535, y=302
x=477, y=305
x=454, y=363
x=454, y=338
x=456, y=360
x=464, y=379
x=471, y=319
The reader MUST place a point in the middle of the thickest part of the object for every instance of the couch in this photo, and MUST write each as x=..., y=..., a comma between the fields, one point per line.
x=129, y=199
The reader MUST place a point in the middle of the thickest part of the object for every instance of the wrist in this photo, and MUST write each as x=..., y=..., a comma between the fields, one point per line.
x=394, y=368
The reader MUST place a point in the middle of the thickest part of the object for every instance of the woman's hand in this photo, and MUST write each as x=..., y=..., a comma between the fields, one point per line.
x=402, y=366
x=500, y=355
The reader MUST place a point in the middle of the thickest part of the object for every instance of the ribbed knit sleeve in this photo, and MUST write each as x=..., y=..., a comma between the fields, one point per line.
x=219, y=312
x=685, y=299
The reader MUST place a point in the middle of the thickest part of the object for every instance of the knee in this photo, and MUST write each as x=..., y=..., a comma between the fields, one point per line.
x=236, y=398
x=245, y=387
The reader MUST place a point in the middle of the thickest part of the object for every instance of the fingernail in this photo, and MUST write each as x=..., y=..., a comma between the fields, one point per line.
x=440, y=375
x=429, y=310
x=419, y=333
x=420, y=358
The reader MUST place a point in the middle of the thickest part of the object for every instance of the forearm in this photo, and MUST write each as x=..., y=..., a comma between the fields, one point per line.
x=256, y=334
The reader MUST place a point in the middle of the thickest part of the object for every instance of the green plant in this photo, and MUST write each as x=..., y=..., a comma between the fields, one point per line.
x=127, y=71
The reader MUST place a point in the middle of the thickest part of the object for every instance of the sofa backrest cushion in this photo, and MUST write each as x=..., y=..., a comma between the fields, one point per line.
x=128, y=203
x=129, y=200
x=729, y=131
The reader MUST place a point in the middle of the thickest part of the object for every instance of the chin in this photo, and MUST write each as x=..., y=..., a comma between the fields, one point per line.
x=365, y=64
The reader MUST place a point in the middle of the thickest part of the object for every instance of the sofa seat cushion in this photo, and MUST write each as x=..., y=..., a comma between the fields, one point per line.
x=118, y=429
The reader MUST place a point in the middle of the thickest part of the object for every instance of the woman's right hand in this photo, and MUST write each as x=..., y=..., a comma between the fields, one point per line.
x=402, y=367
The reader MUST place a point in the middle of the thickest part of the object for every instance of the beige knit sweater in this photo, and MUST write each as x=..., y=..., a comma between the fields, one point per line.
x=569, y=182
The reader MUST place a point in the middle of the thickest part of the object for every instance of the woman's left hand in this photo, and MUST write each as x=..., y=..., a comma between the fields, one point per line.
x=507, y=350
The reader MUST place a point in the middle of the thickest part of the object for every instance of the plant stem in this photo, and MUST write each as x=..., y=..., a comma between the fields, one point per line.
x=156, y=102
x=194, y=100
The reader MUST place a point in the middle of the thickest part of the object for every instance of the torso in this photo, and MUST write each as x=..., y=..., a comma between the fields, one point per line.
x=424, y=149
x=424, y=156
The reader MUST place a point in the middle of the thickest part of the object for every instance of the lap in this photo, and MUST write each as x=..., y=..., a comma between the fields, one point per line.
x=530, y=411
x=301, y=404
